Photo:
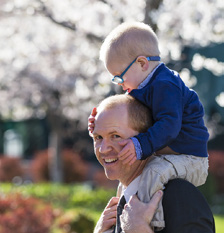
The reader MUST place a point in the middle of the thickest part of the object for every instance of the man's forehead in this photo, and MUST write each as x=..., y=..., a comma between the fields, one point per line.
x=108, y=124
x=111, y=120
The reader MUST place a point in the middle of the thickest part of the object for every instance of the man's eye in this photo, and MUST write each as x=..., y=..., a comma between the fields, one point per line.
x=98, y=137
x=116, y=136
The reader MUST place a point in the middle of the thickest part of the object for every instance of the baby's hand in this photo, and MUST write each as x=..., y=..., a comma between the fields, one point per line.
x=128, y=153
x=91, y=121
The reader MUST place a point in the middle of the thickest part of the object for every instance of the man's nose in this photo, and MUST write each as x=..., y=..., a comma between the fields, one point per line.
x=105, y=146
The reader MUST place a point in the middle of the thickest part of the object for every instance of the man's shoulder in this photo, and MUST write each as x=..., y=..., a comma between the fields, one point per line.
x=185, y=209
x=179, y=191
x=179, y=184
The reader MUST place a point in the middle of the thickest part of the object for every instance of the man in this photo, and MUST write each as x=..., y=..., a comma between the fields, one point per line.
x=120, y=117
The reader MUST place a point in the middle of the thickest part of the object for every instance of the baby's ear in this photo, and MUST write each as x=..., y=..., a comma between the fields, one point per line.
x=143, y=62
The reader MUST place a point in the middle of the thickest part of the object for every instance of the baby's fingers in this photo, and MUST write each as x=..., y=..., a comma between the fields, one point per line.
x=91, y=126
x=134, y=158
x=123, y=153
x=130, y=159
x=91, y=118
x=94, y=112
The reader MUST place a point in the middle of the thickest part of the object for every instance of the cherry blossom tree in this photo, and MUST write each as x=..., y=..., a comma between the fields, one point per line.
x=49, y=66
x=49, y=62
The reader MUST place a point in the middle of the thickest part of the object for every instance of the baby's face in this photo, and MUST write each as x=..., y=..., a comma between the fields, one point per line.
x=130, y=73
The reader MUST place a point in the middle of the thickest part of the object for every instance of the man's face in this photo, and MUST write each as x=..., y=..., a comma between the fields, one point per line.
x=111, y=126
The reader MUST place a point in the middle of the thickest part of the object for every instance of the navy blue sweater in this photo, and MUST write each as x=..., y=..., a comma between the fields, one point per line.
x=177, y=114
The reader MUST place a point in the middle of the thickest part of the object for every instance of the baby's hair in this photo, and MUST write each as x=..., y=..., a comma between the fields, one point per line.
x=128, y=41
x=139, y=116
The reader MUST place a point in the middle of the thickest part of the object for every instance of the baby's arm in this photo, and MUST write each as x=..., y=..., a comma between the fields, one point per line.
x=166, y=103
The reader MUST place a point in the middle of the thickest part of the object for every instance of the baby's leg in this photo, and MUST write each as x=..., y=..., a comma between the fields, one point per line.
x=189, y=167
x=163, y=168
x=155, y=175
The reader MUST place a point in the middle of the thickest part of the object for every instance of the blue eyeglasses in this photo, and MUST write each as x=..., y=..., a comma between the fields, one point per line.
x=118, y=79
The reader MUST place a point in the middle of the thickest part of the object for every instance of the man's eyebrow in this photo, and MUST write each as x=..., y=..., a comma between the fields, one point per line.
x=114, y=132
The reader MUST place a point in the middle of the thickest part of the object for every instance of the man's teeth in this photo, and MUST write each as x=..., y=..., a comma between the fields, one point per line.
x=110, y=160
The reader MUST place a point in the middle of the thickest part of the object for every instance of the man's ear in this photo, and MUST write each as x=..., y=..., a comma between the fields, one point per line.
x=143, y=62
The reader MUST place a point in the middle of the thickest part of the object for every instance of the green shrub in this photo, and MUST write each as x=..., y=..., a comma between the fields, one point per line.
x=76, y=221
x=94, y=199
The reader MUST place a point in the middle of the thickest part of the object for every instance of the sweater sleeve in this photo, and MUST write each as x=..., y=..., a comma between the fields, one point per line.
x=166, y=104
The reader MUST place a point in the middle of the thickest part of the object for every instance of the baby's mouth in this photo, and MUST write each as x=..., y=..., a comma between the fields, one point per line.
x=127, y=89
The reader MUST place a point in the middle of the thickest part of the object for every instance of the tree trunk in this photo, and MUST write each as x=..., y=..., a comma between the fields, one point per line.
x=55, y=157
x=151, y=5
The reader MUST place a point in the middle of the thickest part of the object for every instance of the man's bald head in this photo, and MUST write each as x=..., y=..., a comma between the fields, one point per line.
x=139, y=116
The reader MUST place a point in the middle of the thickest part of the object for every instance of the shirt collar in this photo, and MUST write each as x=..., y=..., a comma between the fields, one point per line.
x=131, y=189
x=144, y=82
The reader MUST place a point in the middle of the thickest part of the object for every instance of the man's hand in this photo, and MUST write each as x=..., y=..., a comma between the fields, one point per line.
x=91, y=121
x=137, y=215
x=108, y=217
x=128, y=153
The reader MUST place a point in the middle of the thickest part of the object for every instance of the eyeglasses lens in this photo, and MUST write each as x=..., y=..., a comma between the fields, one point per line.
x=117, y=80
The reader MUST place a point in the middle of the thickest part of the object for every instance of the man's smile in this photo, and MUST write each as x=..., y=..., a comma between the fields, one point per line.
x=110, y=160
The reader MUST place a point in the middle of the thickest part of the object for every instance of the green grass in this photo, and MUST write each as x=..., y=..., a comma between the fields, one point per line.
x=219, y=223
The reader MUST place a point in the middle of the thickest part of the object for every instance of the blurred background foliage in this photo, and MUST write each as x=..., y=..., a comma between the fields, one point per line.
x=51, y=78
x=51, y=208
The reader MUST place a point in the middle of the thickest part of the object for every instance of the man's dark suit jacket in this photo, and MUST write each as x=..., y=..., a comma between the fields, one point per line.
x=185, y=209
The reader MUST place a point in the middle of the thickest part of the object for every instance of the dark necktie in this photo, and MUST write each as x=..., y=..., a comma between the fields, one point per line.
x=120, y=208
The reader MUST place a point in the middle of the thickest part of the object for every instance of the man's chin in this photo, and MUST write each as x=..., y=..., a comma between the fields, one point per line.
x=110, y=176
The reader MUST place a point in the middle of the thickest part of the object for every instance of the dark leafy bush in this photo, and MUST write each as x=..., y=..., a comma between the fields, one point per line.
x=24, y=215
x=9, y=168
x=74, y=168
x=216, y=168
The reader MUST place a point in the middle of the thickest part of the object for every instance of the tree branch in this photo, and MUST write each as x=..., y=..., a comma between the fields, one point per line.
x=66, y=24
x=47, y=13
